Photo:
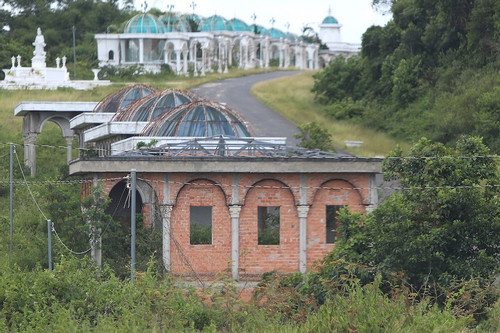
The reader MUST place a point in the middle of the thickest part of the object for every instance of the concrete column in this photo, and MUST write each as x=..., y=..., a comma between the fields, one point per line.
x=185, y=63
x=302, y=212
x=141, y=51
x=69, y=144
x=178, y=61
x=30, y=152
x=373, y=194
x=202, y=62
x=166, y=213
x=219, y=58
x=234, y=211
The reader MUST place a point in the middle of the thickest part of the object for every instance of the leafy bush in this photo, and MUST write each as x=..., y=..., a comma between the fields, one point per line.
x=313, y=136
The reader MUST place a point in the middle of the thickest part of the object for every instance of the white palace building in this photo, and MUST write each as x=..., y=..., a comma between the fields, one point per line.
x=194, y=45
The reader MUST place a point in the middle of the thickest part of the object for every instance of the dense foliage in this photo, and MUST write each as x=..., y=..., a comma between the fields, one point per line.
x=432, y=70
x=438, y=236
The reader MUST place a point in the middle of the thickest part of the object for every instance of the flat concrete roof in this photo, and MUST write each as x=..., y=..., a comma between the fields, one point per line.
x=24, y=107
x=225, y=164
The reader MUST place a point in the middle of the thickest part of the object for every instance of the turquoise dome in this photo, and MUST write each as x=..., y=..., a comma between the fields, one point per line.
x=237, y=25
x=277, y=33
x=293, y=37
x=330, y=20
x=213, y=23
x=174, y=23
x=144, y=24
x=260, y=30
x=198, y=119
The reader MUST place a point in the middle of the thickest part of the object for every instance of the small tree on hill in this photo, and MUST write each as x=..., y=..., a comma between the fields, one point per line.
x=313, y=136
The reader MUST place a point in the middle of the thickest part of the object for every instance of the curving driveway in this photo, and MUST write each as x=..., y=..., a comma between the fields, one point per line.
x=235, y=93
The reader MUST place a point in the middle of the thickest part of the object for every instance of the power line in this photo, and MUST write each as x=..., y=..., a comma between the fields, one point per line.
x=273, y=187
x=460, y=157
x=40, y=209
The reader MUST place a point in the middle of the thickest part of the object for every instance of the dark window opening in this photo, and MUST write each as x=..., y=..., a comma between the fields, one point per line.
x=200, y=226
x=268, y=225
x=332, y=213
x=111, y=55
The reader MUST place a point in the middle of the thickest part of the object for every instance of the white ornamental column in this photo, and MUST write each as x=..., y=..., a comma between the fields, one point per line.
x=234, y=211
x=302, y=212
x=166, y=213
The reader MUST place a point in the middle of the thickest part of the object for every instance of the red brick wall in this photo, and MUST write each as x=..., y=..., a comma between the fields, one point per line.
x=258, y=259
x=254, y=190
x=204, y=259
x=334, y=192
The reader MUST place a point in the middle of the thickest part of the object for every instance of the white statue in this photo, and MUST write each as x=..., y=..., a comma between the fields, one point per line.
x=39, y=44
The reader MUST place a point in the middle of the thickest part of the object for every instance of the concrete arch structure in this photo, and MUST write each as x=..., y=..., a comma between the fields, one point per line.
x=341, y=185
x=36, y=114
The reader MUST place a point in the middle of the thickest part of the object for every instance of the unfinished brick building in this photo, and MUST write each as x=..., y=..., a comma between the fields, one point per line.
x=225, y=199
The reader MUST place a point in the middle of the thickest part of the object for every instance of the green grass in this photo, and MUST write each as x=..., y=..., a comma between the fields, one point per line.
x=292, y=98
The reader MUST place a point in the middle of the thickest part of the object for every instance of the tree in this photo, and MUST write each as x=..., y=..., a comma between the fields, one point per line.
x=313, y=136
x=339, y=81
x=445, y=223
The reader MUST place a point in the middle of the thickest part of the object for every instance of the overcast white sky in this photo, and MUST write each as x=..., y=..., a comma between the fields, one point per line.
x=354, y=15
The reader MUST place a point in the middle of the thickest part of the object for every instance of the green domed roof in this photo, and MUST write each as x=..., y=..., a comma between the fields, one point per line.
x=174, y=23
x=144, y=23
x=330, y=20
x=258, y=29
x=198, y=119
x=237, y=25
x=293, y=37
x=213, y=23
x=277, y=33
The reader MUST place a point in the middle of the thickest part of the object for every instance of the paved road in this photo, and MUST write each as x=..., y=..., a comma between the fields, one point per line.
x=236, y=94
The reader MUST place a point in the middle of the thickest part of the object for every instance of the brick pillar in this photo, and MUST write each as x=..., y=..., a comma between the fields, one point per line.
x=302, y=212
x=166, y=213
x=234, y=211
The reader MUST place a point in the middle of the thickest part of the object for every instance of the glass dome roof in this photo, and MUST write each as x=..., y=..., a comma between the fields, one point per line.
x=118, y=100
x=213, y=23
x=174, y=23
x=330, y=20
x=144, y=23
x=193, y=17
x=293, y=37
x=155, y=105
x=237, y=25
x=259, y=30
x=198, y=119
x=277, y=33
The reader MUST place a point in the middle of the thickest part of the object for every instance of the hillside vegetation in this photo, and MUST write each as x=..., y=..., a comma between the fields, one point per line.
x=424, y=261
x=431, y=71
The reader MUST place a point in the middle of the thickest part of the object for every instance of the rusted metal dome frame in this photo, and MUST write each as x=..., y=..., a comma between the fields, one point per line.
x=113, y=103
x=150, y=107
x=177, y=117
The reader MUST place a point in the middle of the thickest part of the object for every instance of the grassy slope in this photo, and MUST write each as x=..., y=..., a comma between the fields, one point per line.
x=291, y=96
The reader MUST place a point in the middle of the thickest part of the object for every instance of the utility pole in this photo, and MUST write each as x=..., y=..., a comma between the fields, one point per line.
x=49, y=241
x=11, y=195
x=132, y=223
x=74, y=54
